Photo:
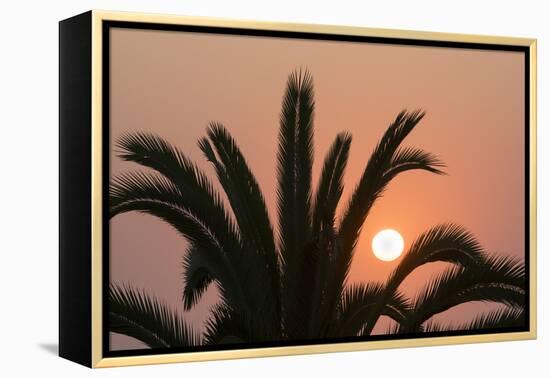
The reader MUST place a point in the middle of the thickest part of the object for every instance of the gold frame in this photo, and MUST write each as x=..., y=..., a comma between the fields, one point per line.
x=97, y=301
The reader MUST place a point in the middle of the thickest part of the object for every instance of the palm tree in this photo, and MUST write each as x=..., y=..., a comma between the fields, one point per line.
x=293, y=284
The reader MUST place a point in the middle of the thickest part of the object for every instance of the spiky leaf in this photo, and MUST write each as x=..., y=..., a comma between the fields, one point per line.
x=133, y=313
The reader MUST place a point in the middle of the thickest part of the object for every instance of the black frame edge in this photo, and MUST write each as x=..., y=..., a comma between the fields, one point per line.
x=75, y=91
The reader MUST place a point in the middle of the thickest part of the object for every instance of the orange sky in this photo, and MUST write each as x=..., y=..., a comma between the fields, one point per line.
x=175, y=83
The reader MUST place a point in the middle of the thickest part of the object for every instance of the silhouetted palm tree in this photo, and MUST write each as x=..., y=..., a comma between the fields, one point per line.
x=293, y=285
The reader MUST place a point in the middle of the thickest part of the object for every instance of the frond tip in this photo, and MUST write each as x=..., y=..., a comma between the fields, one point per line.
x=197, y=276
x=295, y=162
x=331, y=186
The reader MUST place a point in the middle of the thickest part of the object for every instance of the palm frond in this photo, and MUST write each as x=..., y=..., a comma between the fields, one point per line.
x=512, y=269
x=196, y=192
x=408, y=158
x=154, y=194
x=497, y=279
x=371, y=186
x=294, y=165
x=154, y=152
x=357, y=303
x=248, y=205
x=507, y=317
x=133, y=313
x=446, y=242
x=372, y=183
x=330, y=187
x=295, y=159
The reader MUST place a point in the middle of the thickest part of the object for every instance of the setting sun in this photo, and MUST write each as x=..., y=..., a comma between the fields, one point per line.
x=387, y=245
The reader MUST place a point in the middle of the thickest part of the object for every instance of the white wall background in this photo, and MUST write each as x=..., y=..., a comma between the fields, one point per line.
x=28, y=186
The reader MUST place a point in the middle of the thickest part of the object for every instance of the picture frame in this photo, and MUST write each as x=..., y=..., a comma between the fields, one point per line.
x=87, y=150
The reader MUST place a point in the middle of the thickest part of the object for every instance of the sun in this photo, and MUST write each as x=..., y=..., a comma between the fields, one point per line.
x=387, y=245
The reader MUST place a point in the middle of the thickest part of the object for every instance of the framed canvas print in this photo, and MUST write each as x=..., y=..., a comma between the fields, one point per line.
x=235, y=189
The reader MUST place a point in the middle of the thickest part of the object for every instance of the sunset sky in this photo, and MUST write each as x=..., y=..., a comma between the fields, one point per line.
x=175, y=83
